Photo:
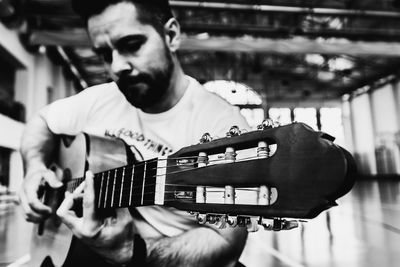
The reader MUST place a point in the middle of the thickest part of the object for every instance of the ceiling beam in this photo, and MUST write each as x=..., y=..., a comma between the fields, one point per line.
x=261, y=6
x=285, y=9
x=296, y=45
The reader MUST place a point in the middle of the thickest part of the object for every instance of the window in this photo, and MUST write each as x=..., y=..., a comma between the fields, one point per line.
x=307, y=116
x=281, y=115
x=242, y=96
x=331, y=123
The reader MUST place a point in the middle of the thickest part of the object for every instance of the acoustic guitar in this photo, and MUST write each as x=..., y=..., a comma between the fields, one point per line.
x=245, y=179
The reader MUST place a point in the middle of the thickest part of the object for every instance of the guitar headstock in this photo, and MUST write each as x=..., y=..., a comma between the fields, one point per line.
x=250, y=178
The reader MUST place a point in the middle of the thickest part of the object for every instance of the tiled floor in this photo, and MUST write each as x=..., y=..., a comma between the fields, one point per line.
x=363, y=231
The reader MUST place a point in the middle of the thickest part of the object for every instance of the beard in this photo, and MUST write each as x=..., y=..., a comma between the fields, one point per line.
x=147, y=89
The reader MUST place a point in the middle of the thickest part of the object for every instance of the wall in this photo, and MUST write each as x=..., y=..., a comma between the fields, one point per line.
x=34, y=76
x=373, y=126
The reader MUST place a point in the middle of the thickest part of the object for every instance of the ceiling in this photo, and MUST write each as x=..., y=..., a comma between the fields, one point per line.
x=286, y=50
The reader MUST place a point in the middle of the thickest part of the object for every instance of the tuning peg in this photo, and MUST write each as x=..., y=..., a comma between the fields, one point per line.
x=243, y=221
x=221, y=222
x=268, y=124
x=201, y=218
x=205, y=138
x=212, y=218
x=232, y=221
x=252, y=225
x=278, y=224
x=233, y=131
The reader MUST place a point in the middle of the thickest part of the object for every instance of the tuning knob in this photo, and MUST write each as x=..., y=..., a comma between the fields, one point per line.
x=233, y=131
x=253, y=225
x=232, y=221
x=243, y=221
x=278, y=224
x=268, y=124
x=221, y=222
x=201, y=218
x=205, y=138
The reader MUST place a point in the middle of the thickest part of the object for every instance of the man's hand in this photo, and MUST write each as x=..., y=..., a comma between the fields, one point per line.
x=35, y=210
x=110, y=237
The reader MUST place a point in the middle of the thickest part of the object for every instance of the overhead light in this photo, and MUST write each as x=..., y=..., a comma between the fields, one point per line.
x=325, y=76
x=340, y=64
x=315, y=59
x=203, y=36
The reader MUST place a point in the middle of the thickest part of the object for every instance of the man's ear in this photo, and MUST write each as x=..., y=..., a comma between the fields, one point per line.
x=172, y=34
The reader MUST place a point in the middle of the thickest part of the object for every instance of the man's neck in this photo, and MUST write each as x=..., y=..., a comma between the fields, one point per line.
x=177, y=88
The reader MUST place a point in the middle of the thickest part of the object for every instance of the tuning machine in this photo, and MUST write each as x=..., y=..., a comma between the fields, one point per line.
x=205, y=138
x=277, y=224
x=268, y=124
x=201, y=218
x=233, y=131
x=243, y=221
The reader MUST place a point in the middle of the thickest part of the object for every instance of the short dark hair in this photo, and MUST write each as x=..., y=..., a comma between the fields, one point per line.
x=153, y=12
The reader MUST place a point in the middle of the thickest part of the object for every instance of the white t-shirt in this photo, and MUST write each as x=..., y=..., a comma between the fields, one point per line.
x=103, y=110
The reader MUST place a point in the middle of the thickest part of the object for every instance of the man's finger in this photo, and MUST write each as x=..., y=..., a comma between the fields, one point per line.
x=51, y=179
x=33, y=201
x=67, y=215
x=89, y=214
x=30, y=215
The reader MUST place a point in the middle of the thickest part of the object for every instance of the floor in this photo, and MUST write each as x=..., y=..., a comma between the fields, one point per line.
x=363, y=231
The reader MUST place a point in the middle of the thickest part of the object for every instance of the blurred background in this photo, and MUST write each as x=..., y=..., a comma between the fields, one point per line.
x=333, y=64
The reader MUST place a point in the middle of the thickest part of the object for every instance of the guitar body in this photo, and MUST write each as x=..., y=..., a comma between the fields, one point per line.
x=52, y=242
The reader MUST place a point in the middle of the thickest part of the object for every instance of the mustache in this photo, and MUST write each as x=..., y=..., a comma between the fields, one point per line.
x=128, y=80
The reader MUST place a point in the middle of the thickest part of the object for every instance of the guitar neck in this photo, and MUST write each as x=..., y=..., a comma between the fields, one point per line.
x=127, y=186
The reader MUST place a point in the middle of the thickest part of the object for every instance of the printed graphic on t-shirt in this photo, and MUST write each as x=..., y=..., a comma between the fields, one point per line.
x=143, y=148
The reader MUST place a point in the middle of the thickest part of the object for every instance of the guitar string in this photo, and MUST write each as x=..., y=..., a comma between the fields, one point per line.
x=176, y=191
x=183, y=199
x=133, y=204
x=130, y=167
x=128, y=189
x=97, y=175
x=79, y=180
x=131, y=196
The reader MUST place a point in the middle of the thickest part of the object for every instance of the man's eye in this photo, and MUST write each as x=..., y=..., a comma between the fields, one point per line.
x=105, y=54
x=129, y=47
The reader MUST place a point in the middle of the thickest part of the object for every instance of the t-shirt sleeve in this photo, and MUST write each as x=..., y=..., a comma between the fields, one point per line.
x=70, y=115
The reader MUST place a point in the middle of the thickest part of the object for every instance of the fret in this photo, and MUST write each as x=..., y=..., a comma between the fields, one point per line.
x=161, y=170
x=110, y=188
x=122, y=187
x=138, y=184
x=126, y=186
x=101, y=189
x=131, y=187
x=150, y=184
x=108, y=180
x=144, y=180
x=113, y=188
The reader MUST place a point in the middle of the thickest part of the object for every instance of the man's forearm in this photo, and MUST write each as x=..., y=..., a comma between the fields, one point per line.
x=37, y=144
x=199, y=247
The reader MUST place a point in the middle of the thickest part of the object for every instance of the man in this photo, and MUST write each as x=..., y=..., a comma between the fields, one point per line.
x=155, y=108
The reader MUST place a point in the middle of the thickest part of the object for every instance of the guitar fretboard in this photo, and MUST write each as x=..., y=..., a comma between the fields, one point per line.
x=127, y=186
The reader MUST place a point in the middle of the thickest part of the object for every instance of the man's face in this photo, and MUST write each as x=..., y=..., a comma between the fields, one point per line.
x=136, y=55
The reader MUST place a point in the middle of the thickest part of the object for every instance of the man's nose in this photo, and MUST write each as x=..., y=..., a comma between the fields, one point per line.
x=120, y=64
